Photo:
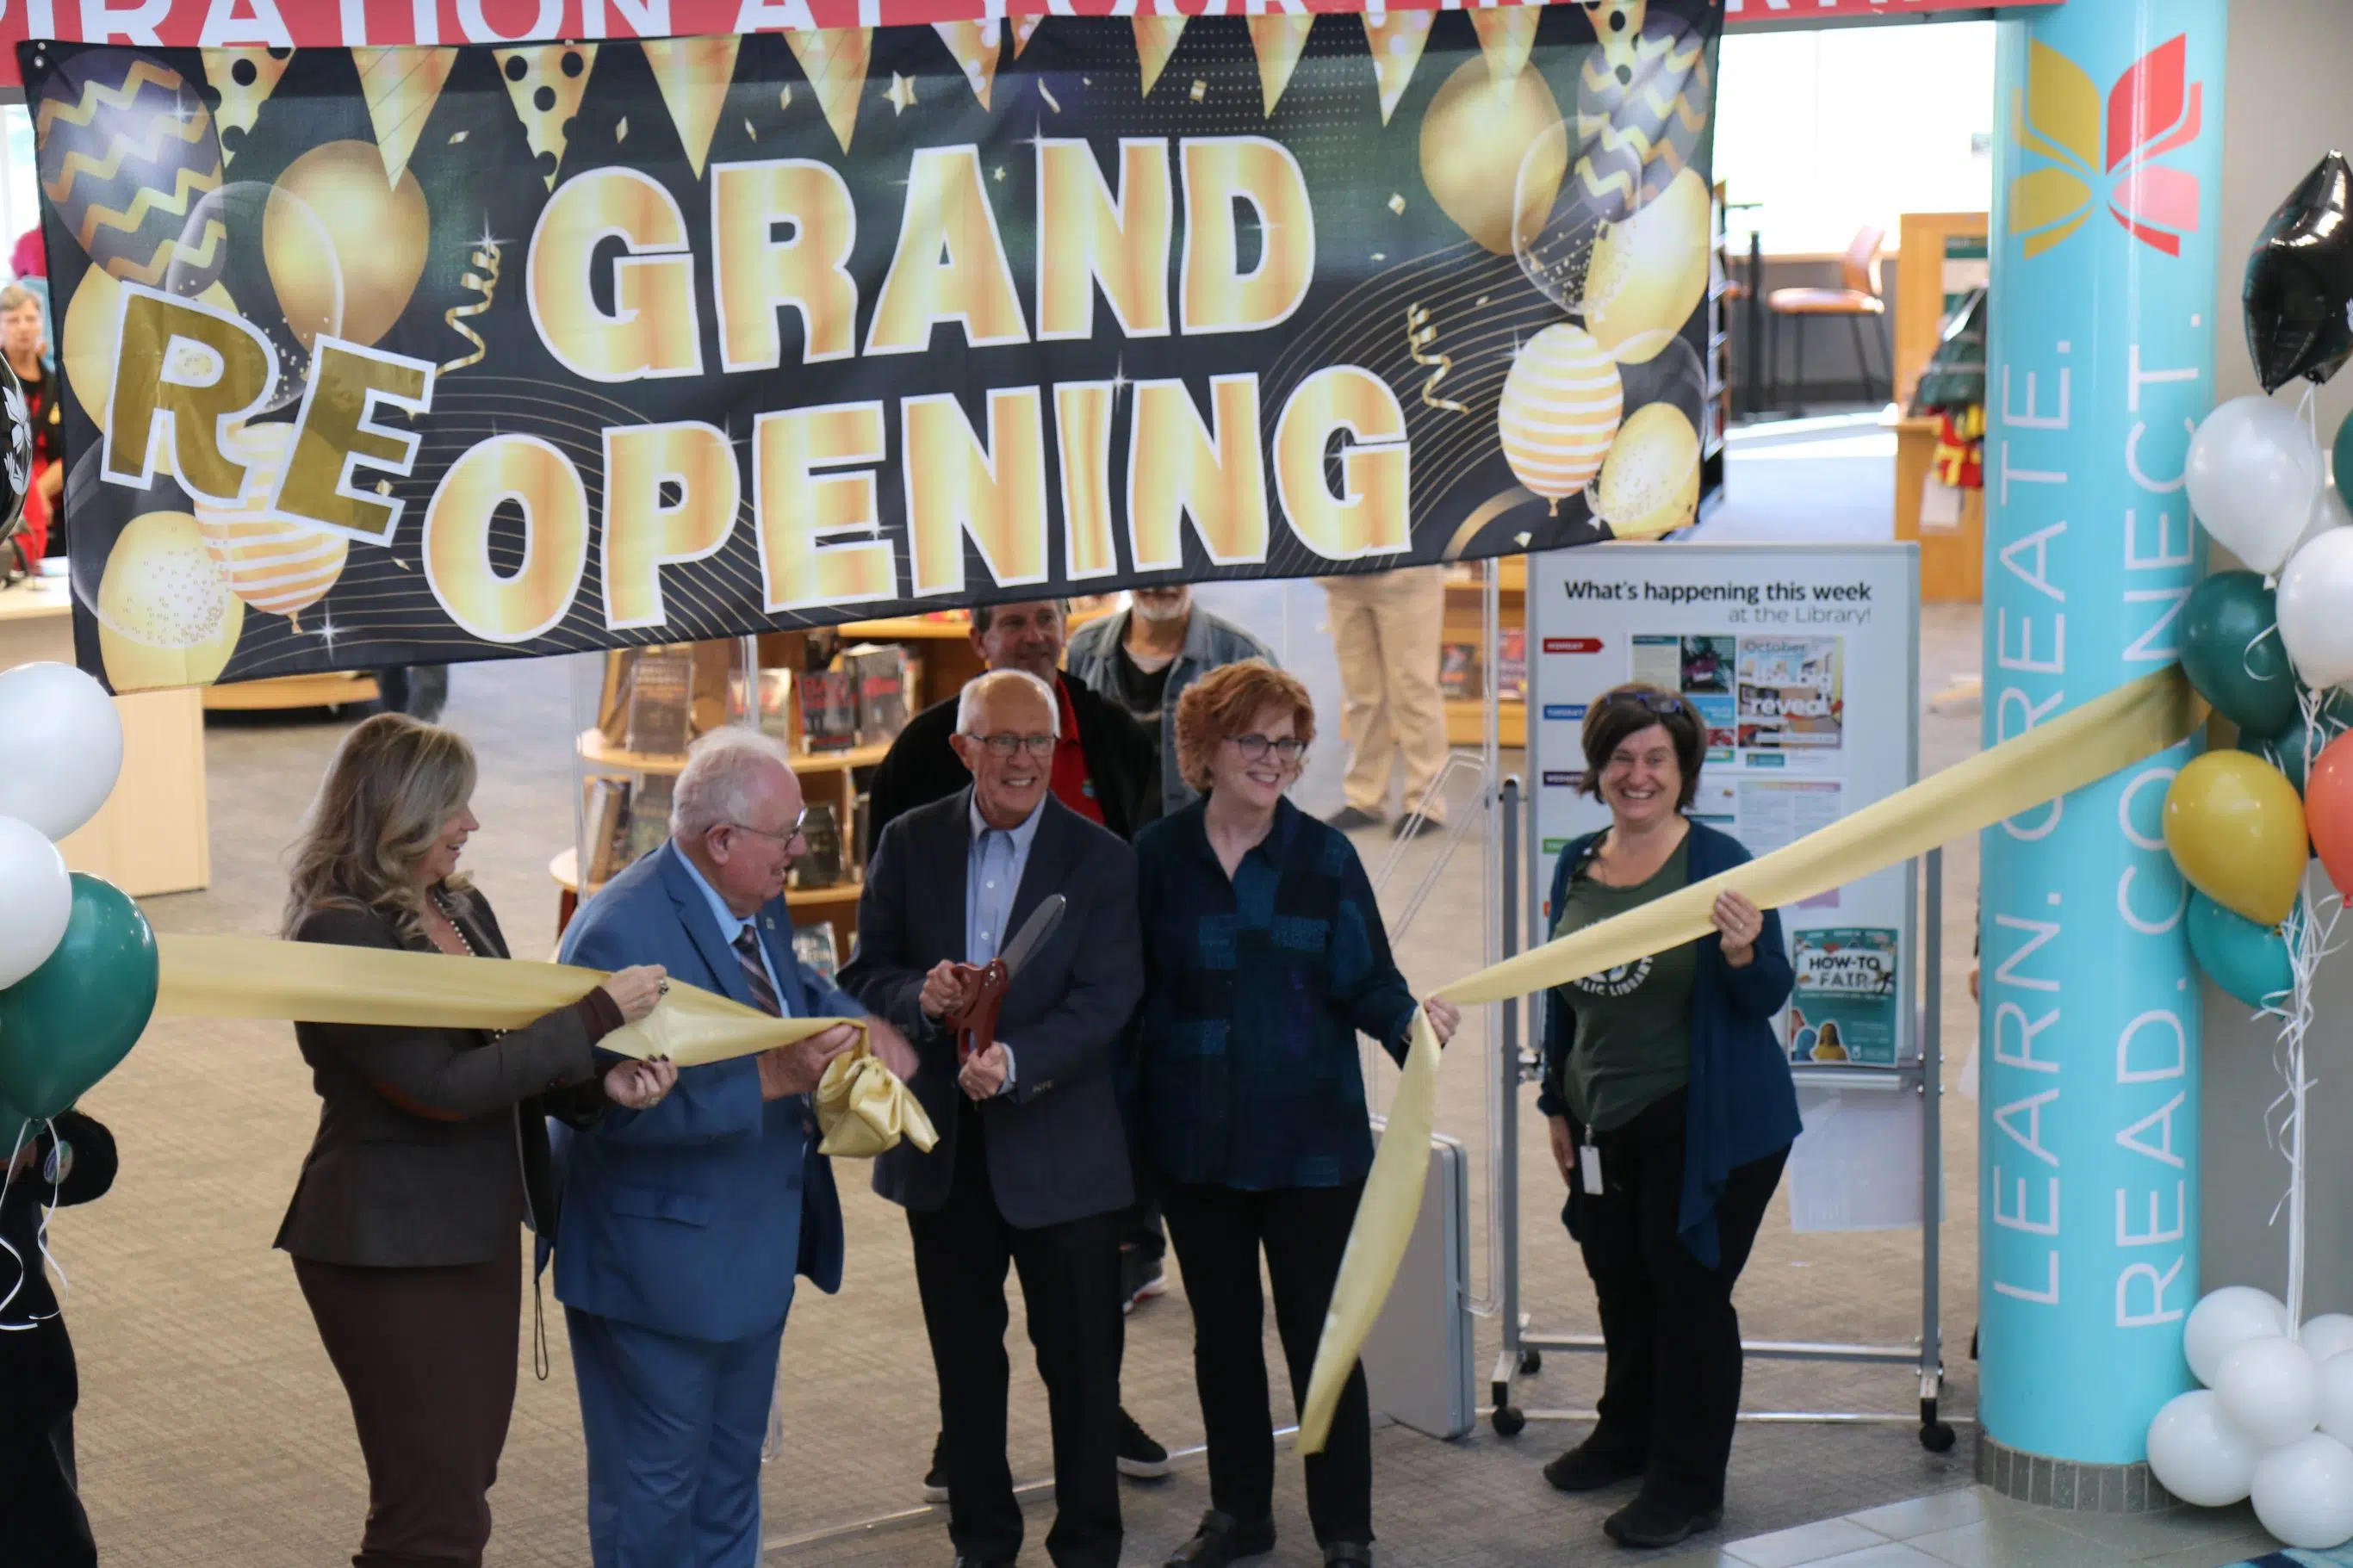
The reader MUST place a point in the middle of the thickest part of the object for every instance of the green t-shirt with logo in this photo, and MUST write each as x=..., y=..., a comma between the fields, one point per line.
x=1634, y=1024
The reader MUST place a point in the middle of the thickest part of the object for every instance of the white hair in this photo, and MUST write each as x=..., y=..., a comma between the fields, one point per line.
x=976, y=697
x=723, y=768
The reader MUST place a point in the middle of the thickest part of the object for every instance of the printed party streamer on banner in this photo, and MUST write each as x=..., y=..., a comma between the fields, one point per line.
x=2055, y=758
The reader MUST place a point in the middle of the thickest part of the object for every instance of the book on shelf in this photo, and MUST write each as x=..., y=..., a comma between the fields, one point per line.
x=828, y=707
x=773, y=707
x=1512, y=665
x=603, y=826
x=661, y=689
x=814, y=945
x=1458, y=671
x=820, y=865
x=877, y=675
x=648, y=819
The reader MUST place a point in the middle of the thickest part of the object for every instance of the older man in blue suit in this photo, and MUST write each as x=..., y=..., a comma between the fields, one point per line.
x=684, y=1226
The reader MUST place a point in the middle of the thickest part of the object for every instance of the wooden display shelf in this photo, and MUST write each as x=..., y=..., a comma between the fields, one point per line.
x=594, y=748
x=1466, y=721
x=291, y=691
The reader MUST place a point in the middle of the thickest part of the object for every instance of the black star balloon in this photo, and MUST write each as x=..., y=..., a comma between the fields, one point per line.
x=16, y=452
x=2300, y=281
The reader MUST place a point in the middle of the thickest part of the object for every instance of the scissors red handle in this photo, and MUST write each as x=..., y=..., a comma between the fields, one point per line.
x=975, y=1021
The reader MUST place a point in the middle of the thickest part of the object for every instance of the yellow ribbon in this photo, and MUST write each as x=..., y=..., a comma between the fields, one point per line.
x=2081, y=748
x=861, y=1106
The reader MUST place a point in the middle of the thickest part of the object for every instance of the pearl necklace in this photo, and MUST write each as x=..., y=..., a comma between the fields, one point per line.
x=441, y=907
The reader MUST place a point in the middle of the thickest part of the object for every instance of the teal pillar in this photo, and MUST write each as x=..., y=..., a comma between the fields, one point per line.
x=2100, y=363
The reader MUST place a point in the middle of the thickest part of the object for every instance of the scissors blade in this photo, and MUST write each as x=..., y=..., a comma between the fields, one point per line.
x=1033, y=934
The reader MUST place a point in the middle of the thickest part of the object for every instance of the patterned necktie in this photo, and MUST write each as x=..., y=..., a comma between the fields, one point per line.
x=755, y=973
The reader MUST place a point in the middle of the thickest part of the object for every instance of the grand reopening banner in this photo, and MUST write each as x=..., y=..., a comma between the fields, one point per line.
x=381, y=355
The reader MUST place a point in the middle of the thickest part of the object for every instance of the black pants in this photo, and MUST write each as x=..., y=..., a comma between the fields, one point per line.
x=1218, y=1233
x=1140, y=1226
x=1070, y=1279
x=1672, y=1339
x=419, y=690
x=41, y=1520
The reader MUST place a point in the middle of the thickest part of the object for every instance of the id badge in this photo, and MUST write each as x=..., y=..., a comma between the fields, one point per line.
x=1588, y=1168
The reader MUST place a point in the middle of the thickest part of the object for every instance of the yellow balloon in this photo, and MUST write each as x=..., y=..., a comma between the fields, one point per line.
x=1474, y=137
x=1560, y=407
x=2236, y=830
x=88, y=353
x=1650, y=273
x=165, y=617
x=349, y=248
x=1650, y=481
x=274, y=565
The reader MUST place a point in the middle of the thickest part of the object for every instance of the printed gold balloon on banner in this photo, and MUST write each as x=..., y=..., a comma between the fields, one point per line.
x=1473, y=137
x=1650, y=273
x=2236, y=830
x=164, y=616
x=127, y=149
x=274, y=565
x=88, y=352
x=1560, y=407
x=1650, y=481
x=375, y=236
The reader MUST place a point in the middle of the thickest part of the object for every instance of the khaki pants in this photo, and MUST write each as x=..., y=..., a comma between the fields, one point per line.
x=1386, y=628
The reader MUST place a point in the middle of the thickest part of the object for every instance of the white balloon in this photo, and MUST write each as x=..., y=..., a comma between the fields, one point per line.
x=35, y=899
x=2270, y=1389
x=2223, y=1321
x=2304, y=1492
x=2253, y=475
x=2336, y=1397
x=2198, y=1454
x=2329, y=1334
x=2328, y=511
x=2314, y=625
x=55, y=713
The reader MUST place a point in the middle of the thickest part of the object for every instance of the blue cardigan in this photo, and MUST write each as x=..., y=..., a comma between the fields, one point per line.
x=1742, y=1105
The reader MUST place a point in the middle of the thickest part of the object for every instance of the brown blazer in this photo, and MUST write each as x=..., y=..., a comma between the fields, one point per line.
x=423, y=1133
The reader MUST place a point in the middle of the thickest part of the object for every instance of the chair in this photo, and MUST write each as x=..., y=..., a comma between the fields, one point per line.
x=1861, y=296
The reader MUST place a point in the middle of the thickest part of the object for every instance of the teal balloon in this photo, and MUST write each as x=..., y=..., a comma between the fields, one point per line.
x=2344, y=457
x=2291, y=754
x=2249, y=960
x=2231, y=649
x=68, y=1024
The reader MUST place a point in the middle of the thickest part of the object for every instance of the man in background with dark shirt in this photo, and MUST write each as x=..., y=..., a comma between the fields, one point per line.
x=1143, y=657
x=1104, y=769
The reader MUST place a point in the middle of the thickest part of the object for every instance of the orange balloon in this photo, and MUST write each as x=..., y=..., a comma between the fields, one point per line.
x=2236, y=830
x=2329, y=810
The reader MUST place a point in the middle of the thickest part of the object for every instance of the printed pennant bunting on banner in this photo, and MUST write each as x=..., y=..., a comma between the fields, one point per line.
x=1506, y=34
x=975, y=47
x=1023, y=29
x=1398, y=39
x=547, y=83
x=1278, y=41
x=1155, y=45
x=834, y=59
x=244, y=78
x=401, y=86
x=694, y=75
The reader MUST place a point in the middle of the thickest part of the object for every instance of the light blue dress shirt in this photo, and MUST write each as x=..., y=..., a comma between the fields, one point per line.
x=732, y=924
x=992, y=876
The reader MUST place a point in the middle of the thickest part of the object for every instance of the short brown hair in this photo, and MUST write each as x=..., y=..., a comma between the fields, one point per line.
x=984, y=614
x=1216, y=707
x=15, y=297
x=1630, y=709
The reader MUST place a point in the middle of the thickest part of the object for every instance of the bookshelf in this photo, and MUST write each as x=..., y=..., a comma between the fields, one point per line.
x=1944, y=256
x=1466, y=660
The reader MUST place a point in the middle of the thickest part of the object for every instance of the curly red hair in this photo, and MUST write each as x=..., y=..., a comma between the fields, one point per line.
x=1221, y=705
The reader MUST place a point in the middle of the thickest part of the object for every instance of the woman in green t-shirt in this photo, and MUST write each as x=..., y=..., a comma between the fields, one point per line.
x=1672, y=1114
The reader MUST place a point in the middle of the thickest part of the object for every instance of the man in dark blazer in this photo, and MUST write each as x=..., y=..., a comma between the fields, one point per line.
x=1031, y=1166
x=1105, y=769
x=683, y=1226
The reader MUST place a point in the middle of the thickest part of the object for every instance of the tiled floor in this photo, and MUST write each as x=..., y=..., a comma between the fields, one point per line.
x=1973, y=1528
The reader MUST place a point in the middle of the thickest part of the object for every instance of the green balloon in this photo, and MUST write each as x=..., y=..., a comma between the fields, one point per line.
x=68, y=1024
x=2344, y=459
x=2231, y=650
x=2291, y=754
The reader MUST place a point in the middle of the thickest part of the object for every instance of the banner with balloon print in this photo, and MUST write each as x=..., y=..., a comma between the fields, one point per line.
x=78, y=963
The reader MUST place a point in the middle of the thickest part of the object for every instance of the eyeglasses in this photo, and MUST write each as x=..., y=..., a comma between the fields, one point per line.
x=787, y=837
x=1006, y=745
x=1289, y=748
x=1649, y=701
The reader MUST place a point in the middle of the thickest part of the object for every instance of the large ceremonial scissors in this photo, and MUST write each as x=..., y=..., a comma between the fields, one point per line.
x=984, y=986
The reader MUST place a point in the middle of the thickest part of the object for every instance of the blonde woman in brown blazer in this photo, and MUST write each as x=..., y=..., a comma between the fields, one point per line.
x=432, y=1144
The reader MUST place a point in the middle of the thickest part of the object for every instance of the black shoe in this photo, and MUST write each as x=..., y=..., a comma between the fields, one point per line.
x=1654, y=1519
x=1348, y=1555
x=1141, y=1277
x=1596, y=1463
x=963, y=1562
x=1415, y=827
x=1140, y=1459
x=1347, y=819
x=936, y=1480
x=1223, y=1540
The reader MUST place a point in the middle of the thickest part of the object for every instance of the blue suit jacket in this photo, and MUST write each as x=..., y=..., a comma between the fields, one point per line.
x=693, y=1218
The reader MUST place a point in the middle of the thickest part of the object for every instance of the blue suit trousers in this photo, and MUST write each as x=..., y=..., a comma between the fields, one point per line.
x=674, y=1427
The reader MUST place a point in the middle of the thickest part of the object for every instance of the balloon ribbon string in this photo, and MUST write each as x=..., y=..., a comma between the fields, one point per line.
x=485, y=282
x=41, y=1236
x=1420, y=333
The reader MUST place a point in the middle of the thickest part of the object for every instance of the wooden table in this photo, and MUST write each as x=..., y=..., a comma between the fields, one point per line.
x=152, y=836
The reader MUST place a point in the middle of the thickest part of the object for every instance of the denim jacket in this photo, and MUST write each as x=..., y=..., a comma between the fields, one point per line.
x=1093, y=660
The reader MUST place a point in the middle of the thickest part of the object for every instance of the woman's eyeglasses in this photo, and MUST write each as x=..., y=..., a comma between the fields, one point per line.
x=1289, y=748
x=1006, y=745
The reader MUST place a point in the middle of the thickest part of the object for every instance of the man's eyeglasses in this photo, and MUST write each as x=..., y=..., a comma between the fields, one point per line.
x=1006, y=745
x=787, y=837
x=1290, y=749
x=1649, y=701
